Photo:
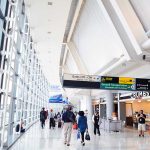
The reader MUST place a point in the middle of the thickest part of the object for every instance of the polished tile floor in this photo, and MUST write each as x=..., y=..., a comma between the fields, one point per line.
x=45, y=139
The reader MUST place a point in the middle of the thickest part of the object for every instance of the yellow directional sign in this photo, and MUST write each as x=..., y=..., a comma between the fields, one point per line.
x=124, y=80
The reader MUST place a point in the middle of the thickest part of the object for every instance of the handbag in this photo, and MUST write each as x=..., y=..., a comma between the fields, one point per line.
x=87, y=136
x=78, y=135
x=75, y=126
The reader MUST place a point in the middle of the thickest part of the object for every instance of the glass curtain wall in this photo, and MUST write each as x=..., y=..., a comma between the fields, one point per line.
x=24, y=90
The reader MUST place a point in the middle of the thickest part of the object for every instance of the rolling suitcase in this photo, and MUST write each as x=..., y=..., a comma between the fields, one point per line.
x=59, y=124
x=54, y=123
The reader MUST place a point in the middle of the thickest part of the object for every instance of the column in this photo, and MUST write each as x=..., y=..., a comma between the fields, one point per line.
x=109, y=104
x=89, y=106
x=118, y=106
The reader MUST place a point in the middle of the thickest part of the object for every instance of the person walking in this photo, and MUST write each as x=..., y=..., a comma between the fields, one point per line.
x=82, y=125
x=68, y=118
x=59, y=119
x=141, y=123
x=51, y=119
x=43, y=117
x=96, y=122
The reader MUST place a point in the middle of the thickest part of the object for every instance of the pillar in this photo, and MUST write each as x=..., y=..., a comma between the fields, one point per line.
x=109, y=104
x=118, y=106
x=86, y=104
x=89, y=107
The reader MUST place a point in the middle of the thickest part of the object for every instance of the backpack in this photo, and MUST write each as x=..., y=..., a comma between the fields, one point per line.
x=71, y=117
x=17, y=127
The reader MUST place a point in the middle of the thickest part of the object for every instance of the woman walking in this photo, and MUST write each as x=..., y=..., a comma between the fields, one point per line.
x=82, y=125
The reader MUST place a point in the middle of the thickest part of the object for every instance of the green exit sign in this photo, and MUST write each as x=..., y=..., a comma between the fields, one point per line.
x=115, y=86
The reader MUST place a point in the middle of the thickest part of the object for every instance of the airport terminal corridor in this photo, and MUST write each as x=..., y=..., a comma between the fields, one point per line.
x=69, y=61
x=52, y=139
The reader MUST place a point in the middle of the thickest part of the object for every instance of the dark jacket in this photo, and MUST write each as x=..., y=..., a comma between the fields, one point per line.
x=68, y=116
x=82, y=123
x=96, y=119
x=43, y=115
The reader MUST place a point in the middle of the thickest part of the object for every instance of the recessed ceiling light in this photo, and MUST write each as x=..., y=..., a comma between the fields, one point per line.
x=50, y=3
x=49, y=32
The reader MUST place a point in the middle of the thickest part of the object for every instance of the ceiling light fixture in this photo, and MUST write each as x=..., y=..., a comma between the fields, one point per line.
x=49, y=32
x=50, y=3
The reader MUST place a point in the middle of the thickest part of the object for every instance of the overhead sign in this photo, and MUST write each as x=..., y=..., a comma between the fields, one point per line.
x=58, y=99
x=80, y=77
x=105, y=79
x=140, y=94
x=124, y=80
x=105, y=82
x=142, y=84
x=114, y=86
x=117, y=83
x=81, y=81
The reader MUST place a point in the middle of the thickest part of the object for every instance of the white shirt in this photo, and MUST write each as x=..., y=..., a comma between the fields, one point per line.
x=51, y=115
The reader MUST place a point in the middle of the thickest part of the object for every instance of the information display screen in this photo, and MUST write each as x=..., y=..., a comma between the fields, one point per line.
x=142, y=84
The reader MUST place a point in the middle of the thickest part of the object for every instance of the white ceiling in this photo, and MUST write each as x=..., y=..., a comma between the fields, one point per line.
x=48, y=24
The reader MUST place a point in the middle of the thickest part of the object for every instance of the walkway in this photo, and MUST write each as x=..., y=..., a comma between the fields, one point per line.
x=38, y=139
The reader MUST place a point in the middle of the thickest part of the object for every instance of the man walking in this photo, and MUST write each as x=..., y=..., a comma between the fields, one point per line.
x=51, y=119
x=43, y=117
x=68, y=119
x=95, y=120
x=141, y=123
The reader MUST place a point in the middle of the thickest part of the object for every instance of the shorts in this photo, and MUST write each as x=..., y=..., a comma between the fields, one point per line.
x=141, y=127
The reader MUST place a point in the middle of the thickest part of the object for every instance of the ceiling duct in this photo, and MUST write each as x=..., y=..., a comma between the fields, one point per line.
x=70, y=19
x=62, y=54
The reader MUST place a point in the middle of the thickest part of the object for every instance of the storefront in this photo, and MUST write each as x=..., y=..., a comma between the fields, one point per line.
x=137, y=101
x=100, y=107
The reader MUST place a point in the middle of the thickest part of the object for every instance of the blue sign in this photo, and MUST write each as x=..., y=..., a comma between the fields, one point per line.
x=58, y=99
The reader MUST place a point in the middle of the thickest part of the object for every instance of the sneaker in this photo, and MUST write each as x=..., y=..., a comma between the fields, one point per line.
x=139, y=135
x=68, y=144
x=83, y=143
x=65, y=142
x=143, y=135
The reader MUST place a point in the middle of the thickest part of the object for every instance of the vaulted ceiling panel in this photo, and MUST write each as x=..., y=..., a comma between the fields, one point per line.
x=96, y=39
